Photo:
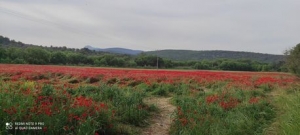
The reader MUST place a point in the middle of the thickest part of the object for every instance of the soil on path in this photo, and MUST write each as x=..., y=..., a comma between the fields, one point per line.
x=160, y=122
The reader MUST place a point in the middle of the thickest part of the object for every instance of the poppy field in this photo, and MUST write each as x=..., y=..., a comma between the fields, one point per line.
x=44, y=99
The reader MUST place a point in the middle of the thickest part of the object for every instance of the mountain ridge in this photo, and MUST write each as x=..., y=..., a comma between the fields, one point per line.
x=115, y=50
x=215, y=54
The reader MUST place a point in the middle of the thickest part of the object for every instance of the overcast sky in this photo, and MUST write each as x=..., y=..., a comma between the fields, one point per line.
x=266, y=26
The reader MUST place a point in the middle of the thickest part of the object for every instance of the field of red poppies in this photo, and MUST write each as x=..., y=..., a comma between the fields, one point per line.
x=84, y=100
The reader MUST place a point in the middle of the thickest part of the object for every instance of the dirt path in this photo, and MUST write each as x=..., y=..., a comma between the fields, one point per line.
x=160, y=123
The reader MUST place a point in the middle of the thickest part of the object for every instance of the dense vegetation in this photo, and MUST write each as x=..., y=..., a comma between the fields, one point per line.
x=293, y=60
x=20, y=53
x=212, y=55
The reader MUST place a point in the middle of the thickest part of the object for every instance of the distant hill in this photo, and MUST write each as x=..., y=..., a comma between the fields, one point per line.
x=5, y=42
x=115, y=50
x=211, y=55
x=169, y=54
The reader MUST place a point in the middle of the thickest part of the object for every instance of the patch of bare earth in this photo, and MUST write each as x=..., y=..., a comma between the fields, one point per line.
x=160, y=122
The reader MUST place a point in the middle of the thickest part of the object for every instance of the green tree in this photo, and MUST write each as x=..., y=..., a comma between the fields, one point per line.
x=15, y=53
x=228, y=65
x=2, y=53
x=201, y=65
x=37, y=55
x=266, y=68
x=18, y=61
x=168, y=63
x=120, y=62
x=58, y=58
x=130, y=63
x=77, y=58
x=293, y=60
x=100, y=62
x=4, y=40
x=149, y=60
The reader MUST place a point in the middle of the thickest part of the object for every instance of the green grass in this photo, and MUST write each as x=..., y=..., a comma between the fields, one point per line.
x=288, y=114
x=231, y=113
x=116, y=107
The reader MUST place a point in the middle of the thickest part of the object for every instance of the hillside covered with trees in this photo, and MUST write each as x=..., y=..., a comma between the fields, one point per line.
x=212, y=55
x=19, y=53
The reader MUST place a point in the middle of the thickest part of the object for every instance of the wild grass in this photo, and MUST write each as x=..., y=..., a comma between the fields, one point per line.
x=86, y=109
x=219, y=112
x=287, y=102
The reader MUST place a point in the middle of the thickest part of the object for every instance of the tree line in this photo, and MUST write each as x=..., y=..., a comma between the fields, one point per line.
x=216, y=54
x=19, y=53
x=46, y=55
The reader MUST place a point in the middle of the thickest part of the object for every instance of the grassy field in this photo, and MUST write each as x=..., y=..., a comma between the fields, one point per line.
x=81, y=100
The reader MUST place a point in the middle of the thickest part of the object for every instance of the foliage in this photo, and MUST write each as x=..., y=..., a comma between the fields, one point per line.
x=293, y=60
x=185, y=55
x=58, y=58
x=19, y=53
x=34, y=55
x=149, y=60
